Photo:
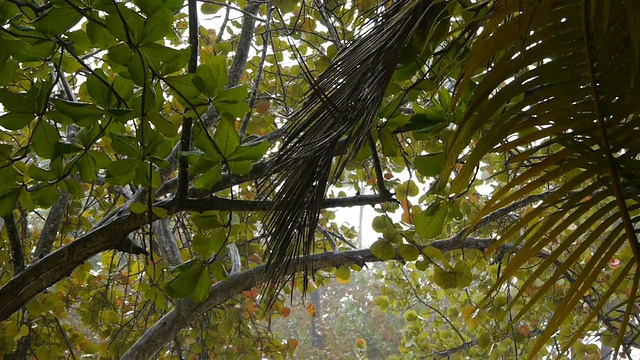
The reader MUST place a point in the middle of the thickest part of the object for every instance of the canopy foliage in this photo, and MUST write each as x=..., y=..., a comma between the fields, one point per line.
x=168, y=181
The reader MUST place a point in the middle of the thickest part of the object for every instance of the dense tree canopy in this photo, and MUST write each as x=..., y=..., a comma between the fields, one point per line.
x=170, y=174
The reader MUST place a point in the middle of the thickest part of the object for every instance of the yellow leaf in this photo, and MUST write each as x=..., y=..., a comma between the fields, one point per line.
x=311, y=310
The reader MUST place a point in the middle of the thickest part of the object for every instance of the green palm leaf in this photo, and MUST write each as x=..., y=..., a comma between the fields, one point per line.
x=555, y=84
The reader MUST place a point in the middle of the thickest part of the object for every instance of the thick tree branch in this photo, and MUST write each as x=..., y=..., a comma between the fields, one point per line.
x=187, y=311
x=244, y=44
x=51, y=226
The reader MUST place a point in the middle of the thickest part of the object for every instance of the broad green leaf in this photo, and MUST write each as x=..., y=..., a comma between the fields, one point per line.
x=408, y=252
x=158, y=25
x=389, y=144
x=98, y=88
x=201, y=291
x=39, y=174
x=207, y=180
x=232, y=101
x=120, y=54
x=226, y=137
x=162, y=213
x=15, y=121
x=8, y=199
x=138, y=208
x=210, y=245
x=456, y=278
x=46, y=195
x=57, y=20
x=83, y=114
x=252, y=153
x=186, y=280
x=218, y=270
x=383, y=250
x=18, y=103
x=430, y=222
x=429, y=165
x=44, y=140
x=99, y=36
x=166, y=127
x=240, y=167
x=207, y=220
x=210, y=8
x=125, y=145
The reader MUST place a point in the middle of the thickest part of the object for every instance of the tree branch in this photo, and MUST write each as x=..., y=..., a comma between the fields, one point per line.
x=51, y=227
x=16, y=245
x=244, y=43
x=187, y=311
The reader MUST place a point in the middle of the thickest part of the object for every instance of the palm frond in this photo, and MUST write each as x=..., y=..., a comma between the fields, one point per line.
x=558, y=79
x=343, y=103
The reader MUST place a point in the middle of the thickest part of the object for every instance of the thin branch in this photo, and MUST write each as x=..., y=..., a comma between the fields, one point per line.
x=216, y=203
x=16, y=245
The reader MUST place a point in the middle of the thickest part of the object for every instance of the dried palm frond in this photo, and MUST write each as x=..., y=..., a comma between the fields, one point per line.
x=342, y=103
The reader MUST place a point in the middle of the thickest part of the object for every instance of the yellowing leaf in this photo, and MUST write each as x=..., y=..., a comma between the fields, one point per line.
x=410, y=315
x=469, y=315
x=311, y=310
x=343, y=274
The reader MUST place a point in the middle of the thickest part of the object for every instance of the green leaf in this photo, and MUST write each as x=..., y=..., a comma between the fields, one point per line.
x=39, y=174
x=120, y=54
x=343, y=272
x=98, y=89
x=231, y=101
x=388, y=141
x=201, y=291
x=158, y=25
x=162, y=213
x=226, y=137
x=207, y=220
x=209, y=245
x=430, y=222
x=166, y=127
x=186, y=280
x=240, y=167
x=429, y=165
x=15, y=121
x=99, y=36
x=456, y=278
x=383, y=250
x=210, y=178
x=137, y=70
x=210, y=8
x=138, y=208
x=83, y=114
x=408, y=252
x=125, y=145
x=46, y=196
x=19, y=103
x=57, y=20
x=252, y=153
x=8, y=199
x=44, y=140
x=218, y=270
